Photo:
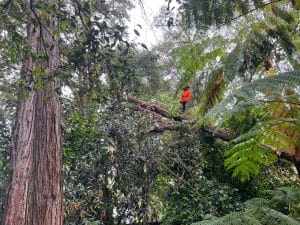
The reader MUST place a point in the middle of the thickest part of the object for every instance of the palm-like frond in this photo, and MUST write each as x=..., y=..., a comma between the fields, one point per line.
x=254, y=94
x=246, y=158
x=204, y=13
x=254, y=48
x=193, y=57
x=261, y=211
x=275, y=132
x=213, y=91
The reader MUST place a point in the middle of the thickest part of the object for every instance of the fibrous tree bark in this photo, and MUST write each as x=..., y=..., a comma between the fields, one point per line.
x=34, y=195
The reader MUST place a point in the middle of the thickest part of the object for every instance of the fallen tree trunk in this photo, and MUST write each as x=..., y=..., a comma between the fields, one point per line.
x=158, y=112
x=151, y=108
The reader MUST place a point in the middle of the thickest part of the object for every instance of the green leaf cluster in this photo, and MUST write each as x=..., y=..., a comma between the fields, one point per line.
x=275, y=207
x=247, y=155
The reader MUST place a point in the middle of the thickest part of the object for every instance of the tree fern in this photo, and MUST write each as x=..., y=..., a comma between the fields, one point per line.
x=252, y=150
x=213, y=90
x=204, y=13
x=253, y=94
x=262, y=211
x=284, y=196
x=256, y=48
x=258, y=202
x=253, y=49
x=194, y=57
x=264, y=35
x=246, y=158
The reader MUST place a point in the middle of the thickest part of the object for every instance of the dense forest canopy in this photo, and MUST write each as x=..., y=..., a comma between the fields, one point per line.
x=97, y=129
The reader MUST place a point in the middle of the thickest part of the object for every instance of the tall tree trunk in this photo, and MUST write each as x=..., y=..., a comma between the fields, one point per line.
x=34, y=195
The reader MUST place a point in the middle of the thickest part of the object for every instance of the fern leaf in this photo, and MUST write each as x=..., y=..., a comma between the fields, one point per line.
x=260, y=211
x=253, y=132
x=247, y=94
x=257, y=202
x=213, y=90
x=280, y=218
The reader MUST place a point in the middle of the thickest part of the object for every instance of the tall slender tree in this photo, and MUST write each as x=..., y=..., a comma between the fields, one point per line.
x=35, y=190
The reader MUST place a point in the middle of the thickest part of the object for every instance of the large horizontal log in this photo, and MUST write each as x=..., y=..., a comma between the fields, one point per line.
x=164, y=127
x=153, y=108
x=159, y=112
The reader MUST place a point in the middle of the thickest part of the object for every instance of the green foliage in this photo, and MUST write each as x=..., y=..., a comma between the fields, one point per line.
x=247, y=155
x=141, y=74
x=204, y=13
x=213, y=91
x=254, y=44
x=185, y=205
x=167, y=101
x=115, y=171
x=193, y=183
x=249, y=94
x=257, y=46
x=193, y=57
x=276, y=207
x=7, y=113
x=251, y=149
x=13, y=45
x=110, y=165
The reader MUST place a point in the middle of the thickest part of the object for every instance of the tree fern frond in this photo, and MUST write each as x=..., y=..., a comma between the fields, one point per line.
x=271, y=193
x=286, y=80
x=279, y=139
x=260, y=211
x=280, y=218
x=257, y=202
x=247, y=94
x=213, y=90
x=246, y=57
x=253, y=132
x=292, y=194
x=231, y=218
x=245, y=144
x=258, y=3
x=283, y=14
x=246, y=157
x=243, y=6
x=286, y=42
x=234, y=64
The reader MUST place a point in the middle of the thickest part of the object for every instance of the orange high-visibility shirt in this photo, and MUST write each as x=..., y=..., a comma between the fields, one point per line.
x=185, y=95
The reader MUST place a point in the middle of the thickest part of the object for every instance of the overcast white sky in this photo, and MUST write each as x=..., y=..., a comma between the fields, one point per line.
x=149, y=34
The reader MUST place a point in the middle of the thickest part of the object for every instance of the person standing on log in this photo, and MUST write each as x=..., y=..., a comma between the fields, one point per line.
x=185, y=97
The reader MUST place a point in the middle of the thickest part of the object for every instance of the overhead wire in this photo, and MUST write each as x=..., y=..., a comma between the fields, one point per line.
x=147, y=20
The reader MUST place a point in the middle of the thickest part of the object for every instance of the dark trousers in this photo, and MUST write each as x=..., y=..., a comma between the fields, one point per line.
x=183, y=105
